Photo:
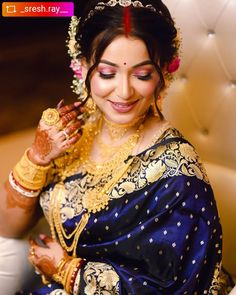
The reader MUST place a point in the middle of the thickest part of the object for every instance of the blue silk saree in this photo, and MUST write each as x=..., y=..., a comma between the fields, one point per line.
x=159, y=233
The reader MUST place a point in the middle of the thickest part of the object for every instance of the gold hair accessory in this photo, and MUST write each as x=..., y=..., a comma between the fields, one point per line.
x=51, y=116
x=78, y=83
x=123, y=3
x=29, y=175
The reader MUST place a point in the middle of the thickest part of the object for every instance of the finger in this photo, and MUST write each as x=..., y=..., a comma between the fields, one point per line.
x=70, y=130
x=69, y=117
x=68, y=108
x=46, y=239
x=75, y=138
x=60, y=104
x=77, y=104
x=68, y=143
x=83, y=109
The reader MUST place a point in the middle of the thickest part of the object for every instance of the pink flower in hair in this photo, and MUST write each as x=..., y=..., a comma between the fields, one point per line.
x=76, y=68
x=174, y=65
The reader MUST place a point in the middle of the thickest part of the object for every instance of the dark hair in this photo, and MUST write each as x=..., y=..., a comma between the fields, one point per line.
x=155, y=28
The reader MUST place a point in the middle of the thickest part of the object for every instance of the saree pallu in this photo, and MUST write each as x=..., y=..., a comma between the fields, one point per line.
x=159, y=234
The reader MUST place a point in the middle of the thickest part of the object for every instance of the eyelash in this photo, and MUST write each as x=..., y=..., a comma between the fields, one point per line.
x=106, y=76
x=144, y=77
x=141, y=77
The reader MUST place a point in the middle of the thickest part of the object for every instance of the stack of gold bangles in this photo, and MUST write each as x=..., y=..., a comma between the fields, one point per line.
x=67, y=271
x=28, y=178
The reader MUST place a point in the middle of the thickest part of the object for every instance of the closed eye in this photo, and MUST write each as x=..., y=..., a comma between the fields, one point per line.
x=145, y=77
x=106, y=76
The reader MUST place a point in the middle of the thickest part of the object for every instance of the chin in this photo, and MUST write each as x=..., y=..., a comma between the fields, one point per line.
x=123, y=118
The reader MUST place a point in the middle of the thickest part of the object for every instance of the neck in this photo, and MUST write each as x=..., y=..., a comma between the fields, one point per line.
x=117, y=131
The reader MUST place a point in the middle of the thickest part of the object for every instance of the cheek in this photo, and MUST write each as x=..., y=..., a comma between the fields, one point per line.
x=147, y=89
x=99, y=87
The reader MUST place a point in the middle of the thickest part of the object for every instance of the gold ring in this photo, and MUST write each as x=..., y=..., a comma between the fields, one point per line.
x=51, y=116
x=32, y=252
x=66, y=135
x=45, y=280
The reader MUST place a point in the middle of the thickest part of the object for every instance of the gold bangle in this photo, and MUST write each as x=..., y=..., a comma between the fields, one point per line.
x=65, y=276
x=20, y=190
x=68, y=275
x=60, y=274
x=45, y=281
x=61, y=264
x=30, y=175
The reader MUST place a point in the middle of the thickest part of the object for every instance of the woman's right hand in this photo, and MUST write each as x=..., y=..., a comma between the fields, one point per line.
x=52, y=140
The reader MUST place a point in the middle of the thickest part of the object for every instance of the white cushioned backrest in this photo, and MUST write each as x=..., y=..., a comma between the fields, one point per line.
x=201, y=102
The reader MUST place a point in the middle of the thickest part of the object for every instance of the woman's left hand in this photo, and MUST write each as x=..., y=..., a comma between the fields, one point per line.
x=46, y=258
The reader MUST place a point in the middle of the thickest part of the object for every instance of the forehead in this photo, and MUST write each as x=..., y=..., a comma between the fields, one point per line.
x=126, y=50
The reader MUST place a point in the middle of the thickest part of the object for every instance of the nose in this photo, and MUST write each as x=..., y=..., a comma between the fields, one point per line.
x=124, y=88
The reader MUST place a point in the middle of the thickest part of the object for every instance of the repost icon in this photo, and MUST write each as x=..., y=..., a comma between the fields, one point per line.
x=11, y=9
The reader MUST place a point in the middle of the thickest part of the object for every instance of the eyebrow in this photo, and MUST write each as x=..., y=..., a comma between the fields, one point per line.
x=143, y=63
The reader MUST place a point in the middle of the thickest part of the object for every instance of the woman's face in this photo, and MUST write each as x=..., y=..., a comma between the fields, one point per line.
x=125, y=80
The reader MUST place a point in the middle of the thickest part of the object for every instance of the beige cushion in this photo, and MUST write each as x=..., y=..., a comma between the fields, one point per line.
x=201, y=102
x=223, y=181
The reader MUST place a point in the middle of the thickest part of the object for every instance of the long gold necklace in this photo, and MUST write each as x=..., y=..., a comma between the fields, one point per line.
x=96, y=199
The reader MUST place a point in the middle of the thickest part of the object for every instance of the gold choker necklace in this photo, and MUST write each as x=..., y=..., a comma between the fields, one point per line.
x=117, y=131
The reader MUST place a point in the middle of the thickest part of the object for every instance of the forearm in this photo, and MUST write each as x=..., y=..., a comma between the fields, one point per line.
x=19, y=197
x=17, y=212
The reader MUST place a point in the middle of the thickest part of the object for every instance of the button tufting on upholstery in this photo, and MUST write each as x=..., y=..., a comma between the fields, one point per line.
x=205, y=131
x=211, y=33
x=233, y=84
x=183, y=78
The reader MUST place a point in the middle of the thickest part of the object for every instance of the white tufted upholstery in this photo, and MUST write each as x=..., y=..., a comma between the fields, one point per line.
x=201, y=102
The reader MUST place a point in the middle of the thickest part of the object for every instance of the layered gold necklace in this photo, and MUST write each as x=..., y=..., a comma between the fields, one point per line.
x=117, y=131
x=118, y=148
x=111, y=168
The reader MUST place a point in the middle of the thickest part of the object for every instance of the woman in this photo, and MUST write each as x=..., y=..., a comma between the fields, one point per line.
x=130, y=208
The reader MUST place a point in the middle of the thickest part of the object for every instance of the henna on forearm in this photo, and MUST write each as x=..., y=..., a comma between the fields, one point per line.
x=15, y=199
